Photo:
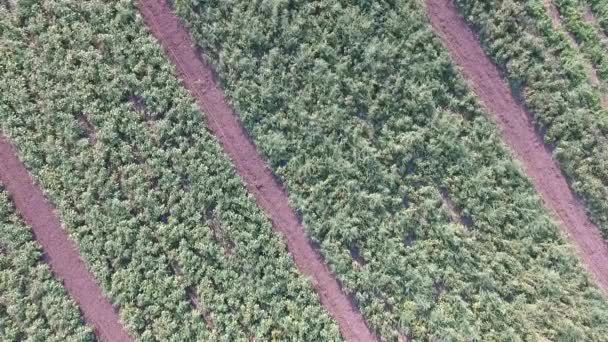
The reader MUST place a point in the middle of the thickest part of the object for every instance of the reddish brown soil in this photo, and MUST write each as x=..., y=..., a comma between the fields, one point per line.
x=60, y=252
x=198, y=78
x=519, y=133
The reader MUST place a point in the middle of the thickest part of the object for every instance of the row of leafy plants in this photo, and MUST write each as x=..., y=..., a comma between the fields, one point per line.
x=600, y=9
x=158, y=213
x=358, y=109
x=539, y=63
x=34, y=306
x=588, y=37
x=562, y=49
x=566, y=44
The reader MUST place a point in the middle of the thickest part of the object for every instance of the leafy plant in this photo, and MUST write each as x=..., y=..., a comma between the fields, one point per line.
x=358, y=109
x=539, y=62
x=155, y=207
x=34, y=306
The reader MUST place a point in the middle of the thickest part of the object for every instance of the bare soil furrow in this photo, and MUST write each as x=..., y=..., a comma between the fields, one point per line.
x=520, y=135
x=198, y=78
x=59, y=250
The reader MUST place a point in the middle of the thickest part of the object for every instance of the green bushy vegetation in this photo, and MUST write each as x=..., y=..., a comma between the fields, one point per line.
x=573, y=14
x=34, y=306
x=357, y=108
x=541, y=66
x=95, y=110
x=600, y=9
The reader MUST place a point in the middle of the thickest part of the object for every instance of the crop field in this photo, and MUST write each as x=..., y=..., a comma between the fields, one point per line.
x=598, y=10
x=548, y=72
x=155, y=208
x=33, y=305
x=288, y=170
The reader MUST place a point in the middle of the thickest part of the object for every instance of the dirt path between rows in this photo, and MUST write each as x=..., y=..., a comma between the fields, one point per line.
x=520, y=135
x=60, y=252
x=259, y=180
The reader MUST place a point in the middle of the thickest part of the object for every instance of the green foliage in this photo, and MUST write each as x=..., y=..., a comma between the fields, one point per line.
x=585, y=33
x=34, y=306
x=359, y=111
x=600, y=9
x=539, y=62
x=144, y=190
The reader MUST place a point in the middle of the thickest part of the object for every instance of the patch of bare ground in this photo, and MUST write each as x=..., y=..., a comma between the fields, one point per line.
x=60, y=252
x=358, y=259
x=409, y=239
x=139, y=106
x=520, y=135
x=455, y=214
x=87, y=127
x=259, y=180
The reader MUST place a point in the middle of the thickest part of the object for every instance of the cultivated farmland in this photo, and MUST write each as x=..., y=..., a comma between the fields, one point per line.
x=599, y=9
x=548, y=73
x=156, y=209
x=33, y=305
x=360, y=112
x=355, y=182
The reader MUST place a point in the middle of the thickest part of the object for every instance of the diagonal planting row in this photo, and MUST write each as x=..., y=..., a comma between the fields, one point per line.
x=557, y=29
x=567, y=46
x=589, y=37
x=545, y=71
x=60, y=251
x=33, y=305
x=198, y=79
x=598, y=11
x=520, y=135
x=156, y=209
x=381, y=146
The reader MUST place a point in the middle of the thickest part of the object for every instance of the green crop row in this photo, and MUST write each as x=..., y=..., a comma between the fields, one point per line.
x=158, y=213
x=585, y=33
x=33, y=304
x=600, y=9
x=357, y=108
x=520, y=38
